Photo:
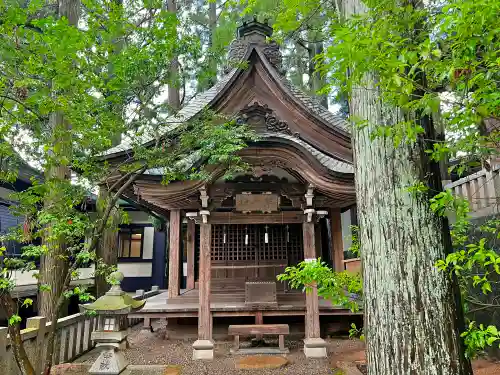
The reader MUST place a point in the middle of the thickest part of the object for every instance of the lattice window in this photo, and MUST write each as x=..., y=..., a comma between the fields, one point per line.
x=246, y=242
x=295, y=244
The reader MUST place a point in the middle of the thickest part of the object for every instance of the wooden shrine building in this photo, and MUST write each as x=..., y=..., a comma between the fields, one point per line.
x=242, y=233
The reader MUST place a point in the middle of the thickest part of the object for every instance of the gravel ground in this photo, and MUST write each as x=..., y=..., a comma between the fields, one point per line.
x=153, y=348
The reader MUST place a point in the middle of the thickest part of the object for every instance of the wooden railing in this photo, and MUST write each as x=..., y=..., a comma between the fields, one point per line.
x=72, y=339
x=352, y=265
x=481, y=189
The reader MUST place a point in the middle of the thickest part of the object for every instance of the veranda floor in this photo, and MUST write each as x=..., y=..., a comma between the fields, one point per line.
x=231, y=303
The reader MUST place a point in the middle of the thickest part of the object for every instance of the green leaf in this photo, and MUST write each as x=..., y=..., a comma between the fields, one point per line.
x=27, y=302
x=491, y=340
x=486, y=287
x=492, y=330
x=14, y=319
x=44, y=288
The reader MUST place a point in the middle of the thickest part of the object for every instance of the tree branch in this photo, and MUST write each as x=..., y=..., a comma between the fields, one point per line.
x=22, y=360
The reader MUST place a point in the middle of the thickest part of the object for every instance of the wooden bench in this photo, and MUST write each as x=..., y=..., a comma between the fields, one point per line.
x=259, y=329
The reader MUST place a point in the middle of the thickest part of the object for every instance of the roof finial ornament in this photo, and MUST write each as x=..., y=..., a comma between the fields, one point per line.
x=253, y=33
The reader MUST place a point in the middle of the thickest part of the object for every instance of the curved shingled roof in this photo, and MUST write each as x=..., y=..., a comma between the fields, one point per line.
x=210, y=96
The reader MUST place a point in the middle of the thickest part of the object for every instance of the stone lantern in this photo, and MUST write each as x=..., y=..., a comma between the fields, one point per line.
x=112, y=328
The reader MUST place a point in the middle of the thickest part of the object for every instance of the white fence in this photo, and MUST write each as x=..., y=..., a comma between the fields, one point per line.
x=72, y=338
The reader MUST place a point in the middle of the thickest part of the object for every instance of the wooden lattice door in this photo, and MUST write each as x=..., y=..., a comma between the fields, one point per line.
x=254, y=251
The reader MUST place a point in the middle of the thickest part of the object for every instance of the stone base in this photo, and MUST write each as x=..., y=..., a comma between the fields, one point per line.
x=109, y=362
x=257, y=350
x=315, y=348
x=203, y=349
x=261, y=362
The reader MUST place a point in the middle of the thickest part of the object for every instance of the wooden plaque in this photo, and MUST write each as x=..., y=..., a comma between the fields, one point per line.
x=256, y=202
x=260, y=294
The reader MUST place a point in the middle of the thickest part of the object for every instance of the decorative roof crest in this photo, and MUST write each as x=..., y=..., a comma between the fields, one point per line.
x=255, y=33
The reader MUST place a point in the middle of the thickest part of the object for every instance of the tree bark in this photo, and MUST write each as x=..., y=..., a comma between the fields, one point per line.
x=53, y=267
x=297, y=77
x=411, y=323
x=107, y=250
x=317, y=81
x=173, y=88
x=212, y=26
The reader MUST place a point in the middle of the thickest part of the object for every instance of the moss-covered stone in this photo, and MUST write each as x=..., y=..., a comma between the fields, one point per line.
x=114, y=303
x=256, y=362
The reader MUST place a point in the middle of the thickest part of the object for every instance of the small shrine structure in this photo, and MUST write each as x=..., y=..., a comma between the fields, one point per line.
x=237, y=235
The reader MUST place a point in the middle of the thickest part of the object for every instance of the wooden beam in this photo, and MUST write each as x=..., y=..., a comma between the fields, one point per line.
x=204, y=315
x=291, y=217
x=190, y=243
x=312, y=305
x=174, y=254
x=337, y=243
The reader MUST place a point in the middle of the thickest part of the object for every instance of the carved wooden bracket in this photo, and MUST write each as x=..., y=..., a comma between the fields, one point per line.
x=309, y=212
x=204, y=215
x=258, y=113
x=275, y=125
x=320, y=214
x=204, y=197
x=309, y=196
x=192, y=215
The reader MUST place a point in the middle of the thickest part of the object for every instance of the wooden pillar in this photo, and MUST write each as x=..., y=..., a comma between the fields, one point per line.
x=337, y=243
x=204, y=315
x=317, y=240
x=190, y=243
x=174, y=254
x=312, y=306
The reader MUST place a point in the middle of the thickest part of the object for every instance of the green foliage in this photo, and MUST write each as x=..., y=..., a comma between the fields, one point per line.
x=437, y=61
x=356, y=332
x=44, y=288
x=355, y=247
x=27, y=302
x=427, y=59
x=14, y=319
x=341, y=288
x=474, y=263
x=478, y=338
x=66, y=93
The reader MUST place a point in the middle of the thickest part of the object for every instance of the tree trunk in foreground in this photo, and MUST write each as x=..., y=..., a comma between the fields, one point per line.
x=412, y=323
x=53, y=267
x=173, y=88
x=107, y=250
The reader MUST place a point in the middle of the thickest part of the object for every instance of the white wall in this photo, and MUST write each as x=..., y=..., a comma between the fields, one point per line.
x=345, y=218
x=129, y=269
x=139, y=217
x=5, y=193
x=27, y=278
x=147, y=246
x=132, y=269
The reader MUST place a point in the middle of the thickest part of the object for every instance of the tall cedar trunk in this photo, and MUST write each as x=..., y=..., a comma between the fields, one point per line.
x=173, y=88
x=317, y=81
x=53, y=269
x=410, y=309
x=297, y=77
x=212, y=25
x=107, y=249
